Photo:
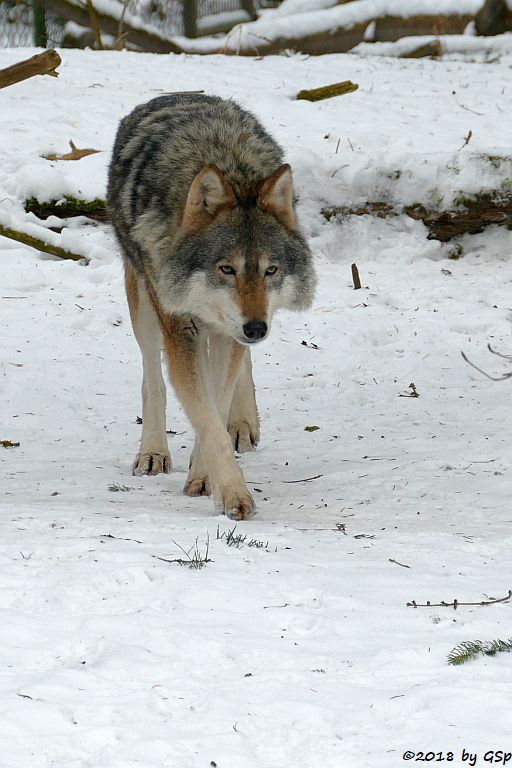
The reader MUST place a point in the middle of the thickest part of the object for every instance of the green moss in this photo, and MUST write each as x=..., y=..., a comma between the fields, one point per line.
x=67, y=206
x=435, y=197
x=503, y=195
x=456, y=252
x=463, y=201
x=495, y=160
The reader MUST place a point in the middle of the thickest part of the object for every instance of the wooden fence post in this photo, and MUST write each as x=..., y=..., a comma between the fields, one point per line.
x=40, y=33
x=190, y=18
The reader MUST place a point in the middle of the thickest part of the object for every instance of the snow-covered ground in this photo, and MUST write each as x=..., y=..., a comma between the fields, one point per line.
x=301, y=652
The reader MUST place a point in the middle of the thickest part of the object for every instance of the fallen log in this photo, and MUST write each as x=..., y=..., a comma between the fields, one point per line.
x=391, y=28
x=332, y=34
x=42, y=64
x=472, y=216
x=145, y=39
x=38, y=244
x=67, y=208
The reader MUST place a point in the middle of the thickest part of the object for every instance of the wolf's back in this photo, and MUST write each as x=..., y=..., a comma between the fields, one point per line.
x=162, y=145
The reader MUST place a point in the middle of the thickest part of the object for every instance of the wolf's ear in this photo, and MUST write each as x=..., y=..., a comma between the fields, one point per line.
x=276, y=196
x=208, y=192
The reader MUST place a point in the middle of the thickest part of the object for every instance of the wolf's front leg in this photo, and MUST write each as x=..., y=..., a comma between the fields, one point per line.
x=229, y=377
x=153, y=456
x=183, y=341
x=243, y=422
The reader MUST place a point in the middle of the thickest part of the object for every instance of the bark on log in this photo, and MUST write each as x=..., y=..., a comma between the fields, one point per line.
x=472, y=218
x=42, y=64
x=39, y=245
x=148, y=41
x=433, y=48
x=390, y=28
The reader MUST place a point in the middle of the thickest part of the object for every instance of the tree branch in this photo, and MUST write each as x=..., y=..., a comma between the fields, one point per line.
x=40, y=245
x=42, y=64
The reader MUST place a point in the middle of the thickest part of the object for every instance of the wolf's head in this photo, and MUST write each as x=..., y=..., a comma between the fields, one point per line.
x=237, y=258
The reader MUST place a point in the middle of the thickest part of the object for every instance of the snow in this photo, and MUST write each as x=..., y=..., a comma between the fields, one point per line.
x=460, y=47
x=323, y=20
x=302, y=652
x=226, y=19
x=303, y=6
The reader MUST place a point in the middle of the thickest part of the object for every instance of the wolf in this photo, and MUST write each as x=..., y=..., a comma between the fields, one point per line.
x=203, y=207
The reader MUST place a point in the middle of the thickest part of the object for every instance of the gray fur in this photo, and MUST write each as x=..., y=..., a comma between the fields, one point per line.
x=159, y=149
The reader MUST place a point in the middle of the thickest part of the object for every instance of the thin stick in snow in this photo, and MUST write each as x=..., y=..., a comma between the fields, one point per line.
x=456, y=603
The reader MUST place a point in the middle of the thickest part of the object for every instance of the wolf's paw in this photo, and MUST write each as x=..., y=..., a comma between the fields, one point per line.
x=237, y=506
x=152, y=463
x=197, y=485
x=245, y=435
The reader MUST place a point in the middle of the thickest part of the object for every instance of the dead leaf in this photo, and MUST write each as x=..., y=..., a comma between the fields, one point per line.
x=75, y=154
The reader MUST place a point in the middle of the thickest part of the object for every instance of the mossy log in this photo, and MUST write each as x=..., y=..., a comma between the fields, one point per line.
x=470, y=218
x=328, y=91
x=67, y=207
x=42, y=64
x=38, y=244
x=471, y=215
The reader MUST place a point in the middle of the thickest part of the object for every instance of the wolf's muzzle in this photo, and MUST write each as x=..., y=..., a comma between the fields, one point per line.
x=255, y=330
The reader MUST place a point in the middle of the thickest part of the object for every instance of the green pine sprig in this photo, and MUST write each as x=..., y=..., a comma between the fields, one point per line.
x=469, y=650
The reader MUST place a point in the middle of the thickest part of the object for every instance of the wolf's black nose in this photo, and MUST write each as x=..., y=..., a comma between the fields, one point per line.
x=255, y=330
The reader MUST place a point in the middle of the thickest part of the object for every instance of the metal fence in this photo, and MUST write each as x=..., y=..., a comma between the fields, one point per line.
x=25, y=23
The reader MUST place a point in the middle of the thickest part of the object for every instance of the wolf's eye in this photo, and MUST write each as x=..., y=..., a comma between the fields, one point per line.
x=271, y=270
x=226, y=269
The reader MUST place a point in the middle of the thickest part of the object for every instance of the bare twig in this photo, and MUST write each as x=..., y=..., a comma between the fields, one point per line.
x=95, y=25
x=503, y=377
x=306, y=479
x=413, y=393
x=499, y=354
x=391, y=560
x=456, y=603
x=118, y=538
x=467, y=139
x=121, y=36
